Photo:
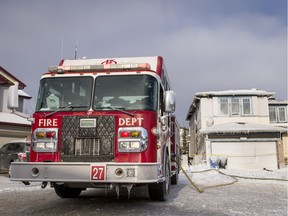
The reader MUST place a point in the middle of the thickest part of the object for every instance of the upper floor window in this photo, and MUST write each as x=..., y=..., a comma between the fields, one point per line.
x=236, y=106
x=246, y=103
x=278, y=114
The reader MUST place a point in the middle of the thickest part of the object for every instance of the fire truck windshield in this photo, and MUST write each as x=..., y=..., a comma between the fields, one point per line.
x=122, y=92
x=59, y=92
x=129, y=92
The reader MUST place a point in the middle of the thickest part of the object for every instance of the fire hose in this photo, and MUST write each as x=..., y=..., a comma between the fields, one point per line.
x=234, y=177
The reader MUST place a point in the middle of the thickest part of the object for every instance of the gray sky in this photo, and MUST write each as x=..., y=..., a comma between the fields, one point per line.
x=207, y=45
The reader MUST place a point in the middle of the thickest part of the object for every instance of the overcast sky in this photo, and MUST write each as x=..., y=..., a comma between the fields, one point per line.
x=207, y=45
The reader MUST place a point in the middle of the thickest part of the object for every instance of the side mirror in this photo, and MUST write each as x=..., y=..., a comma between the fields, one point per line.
x=12, y=102
x=169, y=100
x=13, y=97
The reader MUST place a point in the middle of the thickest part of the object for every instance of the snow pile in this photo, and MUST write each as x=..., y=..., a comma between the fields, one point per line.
x=255, y=173
x=204, y=177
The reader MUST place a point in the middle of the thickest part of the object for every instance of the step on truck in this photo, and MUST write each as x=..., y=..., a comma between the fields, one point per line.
x=101, y=123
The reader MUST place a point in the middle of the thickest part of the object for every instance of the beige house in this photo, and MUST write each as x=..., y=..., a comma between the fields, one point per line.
x=278, y=114
x=12, y=127
x=233, y=127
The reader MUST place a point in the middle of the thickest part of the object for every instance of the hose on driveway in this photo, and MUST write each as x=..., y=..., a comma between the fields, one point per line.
x=234, y=177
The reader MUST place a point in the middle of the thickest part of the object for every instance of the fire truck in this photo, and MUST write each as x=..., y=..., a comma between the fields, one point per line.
x=101, y=123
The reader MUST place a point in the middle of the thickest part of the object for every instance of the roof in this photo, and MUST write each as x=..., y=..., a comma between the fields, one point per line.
x=245, y=92
x=10, y=118
x=24, y=94
x=277, y=102
x=6, y=77
x=241, y=127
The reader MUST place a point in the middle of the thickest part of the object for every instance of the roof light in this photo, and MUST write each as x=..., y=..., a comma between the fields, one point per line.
x=102, y=67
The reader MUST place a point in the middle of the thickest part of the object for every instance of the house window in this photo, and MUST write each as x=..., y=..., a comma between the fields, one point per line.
x=235, y=106
x=272, y=114
x=282, y=114
x=277, y=114
x=246, y=106
x=224, y=106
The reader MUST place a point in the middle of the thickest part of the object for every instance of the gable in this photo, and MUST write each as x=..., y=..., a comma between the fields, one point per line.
x=8, y=79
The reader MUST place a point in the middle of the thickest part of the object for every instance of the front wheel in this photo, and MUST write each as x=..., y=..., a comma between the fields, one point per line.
x=64, y=191
x=159, y=191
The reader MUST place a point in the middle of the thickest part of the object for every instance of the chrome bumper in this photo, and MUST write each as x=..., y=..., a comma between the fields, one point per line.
x=86, y=172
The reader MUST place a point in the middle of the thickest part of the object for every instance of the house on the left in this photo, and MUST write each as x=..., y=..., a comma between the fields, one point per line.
x=12, y=127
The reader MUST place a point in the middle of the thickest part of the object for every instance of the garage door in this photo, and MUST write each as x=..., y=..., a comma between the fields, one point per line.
x=247, y=155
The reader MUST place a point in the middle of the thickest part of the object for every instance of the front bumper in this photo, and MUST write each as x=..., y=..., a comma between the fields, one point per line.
x=86, y=172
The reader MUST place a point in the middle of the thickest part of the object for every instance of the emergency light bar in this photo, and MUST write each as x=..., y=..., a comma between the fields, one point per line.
x=102, y=67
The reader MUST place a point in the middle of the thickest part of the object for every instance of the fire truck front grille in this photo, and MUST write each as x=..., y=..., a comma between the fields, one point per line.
x=88, y=144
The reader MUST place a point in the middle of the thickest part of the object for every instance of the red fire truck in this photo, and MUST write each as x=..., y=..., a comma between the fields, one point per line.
x=101, y=123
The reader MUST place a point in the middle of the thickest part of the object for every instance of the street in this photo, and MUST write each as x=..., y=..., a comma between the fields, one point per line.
x=245, y=197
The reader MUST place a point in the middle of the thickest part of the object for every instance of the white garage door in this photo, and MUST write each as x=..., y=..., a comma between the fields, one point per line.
x=247, y=155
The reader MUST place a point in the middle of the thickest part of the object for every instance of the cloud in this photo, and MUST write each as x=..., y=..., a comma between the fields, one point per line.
x=206, y=45
x=231, y=56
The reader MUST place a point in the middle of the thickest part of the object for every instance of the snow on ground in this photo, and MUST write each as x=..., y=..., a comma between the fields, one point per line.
x=203, y=176
x=6, y=185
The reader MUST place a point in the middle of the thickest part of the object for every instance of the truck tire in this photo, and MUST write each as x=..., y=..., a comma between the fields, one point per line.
x=159, y=191
x=64, y=191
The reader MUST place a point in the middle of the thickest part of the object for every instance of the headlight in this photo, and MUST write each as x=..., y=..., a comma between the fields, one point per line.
x=50, y=145
x=135, y=145
x=42, y=146
x=133, y=139
x=45, y=140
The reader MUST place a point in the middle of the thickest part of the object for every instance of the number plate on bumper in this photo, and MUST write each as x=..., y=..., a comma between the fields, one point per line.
x=97, y=172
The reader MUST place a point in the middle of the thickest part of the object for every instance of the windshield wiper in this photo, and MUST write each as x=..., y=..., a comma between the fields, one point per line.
x=69, y=108
x=120, y=110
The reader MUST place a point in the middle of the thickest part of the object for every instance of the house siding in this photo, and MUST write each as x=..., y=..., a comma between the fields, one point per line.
x=205, y=112
x=11, y=127
x=284, y=124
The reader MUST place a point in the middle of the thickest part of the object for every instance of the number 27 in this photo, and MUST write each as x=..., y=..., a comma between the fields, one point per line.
x=98, y=173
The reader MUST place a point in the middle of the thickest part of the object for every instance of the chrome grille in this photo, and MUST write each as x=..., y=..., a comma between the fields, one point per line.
x=87, y=146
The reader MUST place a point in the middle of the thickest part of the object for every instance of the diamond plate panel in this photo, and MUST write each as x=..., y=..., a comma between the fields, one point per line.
x=104, y=131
